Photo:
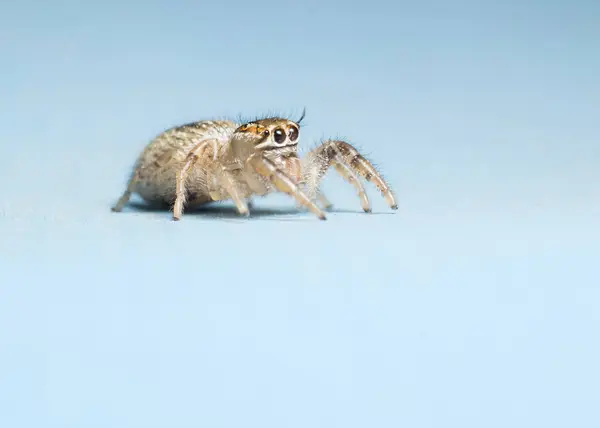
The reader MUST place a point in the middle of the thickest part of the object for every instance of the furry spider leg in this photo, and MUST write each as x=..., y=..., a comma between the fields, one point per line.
x=283, y=182
x=190, y=162
x=350, y=164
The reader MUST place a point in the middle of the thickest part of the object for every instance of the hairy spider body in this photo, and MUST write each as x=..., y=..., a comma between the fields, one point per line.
x=217, y=160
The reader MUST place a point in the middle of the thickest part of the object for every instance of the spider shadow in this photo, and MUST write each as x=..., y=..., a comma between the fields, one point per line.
x=226, y=211
x=215, y=210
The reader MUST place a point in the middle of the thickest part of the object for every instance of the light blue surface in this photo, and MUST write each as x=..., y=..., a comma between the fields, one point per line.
x=476, y=304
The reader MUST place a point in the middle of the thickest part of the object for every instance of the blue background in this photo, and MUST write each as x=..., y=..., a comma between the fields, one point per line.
x=476, y=304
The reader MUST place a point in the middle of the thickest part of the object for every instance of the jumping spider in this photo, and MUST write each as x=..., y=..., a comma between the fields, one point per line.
x=217, y=160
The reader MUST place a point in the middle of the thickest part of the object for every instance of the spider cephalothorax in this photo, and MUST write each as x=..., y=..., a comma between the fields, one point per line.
x=276, y=135
x=217, y=160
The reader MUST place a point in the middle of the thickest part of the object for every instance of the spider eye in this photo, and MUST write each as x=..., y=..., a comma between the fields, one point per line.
x=279, y=136
x=266, y=132
x=293, y=133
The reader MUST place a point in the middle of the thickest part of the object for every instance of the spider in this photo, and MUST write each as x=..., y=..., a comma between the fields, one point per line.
x=217, y=160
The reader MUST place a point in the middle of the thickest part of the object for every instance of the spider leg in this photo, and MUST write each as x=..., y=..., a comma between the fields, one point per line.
x=283, y=182
x=180, y=190
x=324, y=201
x=255, y=186
x=227, y=182
x=292, y=166
x=126, y=194
x=350, y=164
x=353, y=179
x=190, y=161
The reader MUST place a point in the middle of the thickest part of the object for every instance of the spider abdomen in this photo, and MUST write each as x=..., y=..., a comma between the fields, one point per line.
x=162, y=159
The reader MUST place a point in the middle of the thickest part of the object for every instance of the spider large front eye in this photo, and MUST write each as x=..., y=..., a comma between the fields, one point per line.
x=293, y=133
x=279, y=136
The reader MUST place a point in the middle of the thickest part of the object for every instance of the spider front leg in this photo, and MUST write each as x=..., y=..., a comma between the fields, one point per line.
x=283, y=182
x=350, y=164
